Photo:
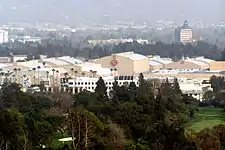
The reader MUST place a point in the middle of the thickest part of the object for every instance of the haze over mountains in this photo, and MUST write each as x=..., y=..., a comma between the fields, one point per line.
x=70, y=11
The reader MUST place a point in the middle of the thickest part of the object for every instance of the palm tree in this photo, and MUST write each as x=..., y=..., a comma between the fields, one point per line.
x=53, y=71
x=19, y=74
x=38, y=74
x=15, y=72
x=34, y=69
x=14, y=76
x=57, y=72
x=91, y=72
x=72, y=70
x=75, y=73
x=82, y=74
x=47, y=74
x=75, y=76
x=66, y=74
x=111, y=70
x=94, y=73
x=43, y=63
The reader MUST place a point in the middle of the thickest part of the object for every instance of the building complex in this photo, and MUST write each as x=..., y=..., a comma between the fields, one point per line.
x=74, y=75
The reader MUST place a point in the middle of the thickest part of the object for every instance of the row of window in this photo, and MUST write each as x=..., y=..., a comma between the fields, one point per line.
x=92, y=83
x=92, y=88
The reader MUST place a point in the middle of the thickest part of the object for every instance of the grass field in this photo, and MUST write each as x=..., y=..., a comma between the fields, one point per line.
x=207, y=118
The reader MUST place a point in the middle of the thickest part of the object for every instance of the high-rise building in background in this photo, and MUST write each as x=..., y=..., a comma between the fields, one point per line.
x=4, y=36
x=184, y=34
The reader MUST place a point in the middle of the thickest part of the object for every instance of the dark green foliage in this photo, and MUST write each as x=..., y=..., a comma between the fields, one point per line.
x=217, y=83
x=150, y=116
x=142, y=90
x=115, y=92
x=84, y=98
x=101, y=90
x=132, y=90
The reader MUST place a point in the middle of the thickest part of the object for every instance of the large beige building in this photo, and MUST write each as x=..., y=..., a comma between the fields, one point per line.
x=198, y=63
x=217, y=66
x=127, y=63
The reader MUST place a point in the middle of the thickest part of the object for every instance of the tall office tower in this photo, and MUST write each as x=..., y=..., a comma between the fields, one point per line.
x=184, y=34
x=4, y=36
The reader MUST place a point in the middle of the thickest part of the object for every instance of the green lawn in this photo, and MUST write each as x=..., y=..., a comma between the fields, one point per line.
x=207, y=118
x=55, y=141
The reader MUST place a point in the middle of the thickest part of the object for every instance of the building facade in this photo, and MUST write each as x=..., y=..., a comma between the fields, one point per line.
x=4, y=36
x=184, y=34
x=127, y=63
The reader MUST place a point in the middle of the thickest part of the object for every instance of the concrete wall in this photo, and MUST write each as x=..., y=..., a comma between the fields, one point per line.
x=217, y=66
x=182, y=65
x=125, y=65
x=141, y=66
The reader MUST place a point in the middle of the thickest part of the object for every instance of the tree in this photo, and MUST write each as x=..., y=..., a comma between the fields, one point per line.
x=142, y=85
x=115, y=91
x=53, y=78
x=83, y=74
x=217, y=83
x=63, y=100
x=115, y=137
x=207, y=139
x=208, y=95
x=132, y=90
x=15, y=72
x=34, y=69
x=82, y=127
x=220, y=132
x=176, y=86
x=101, y=90
x=84, y=98
x=38, y=68
x=10, y=129
x=40, y=131
x=9, y=95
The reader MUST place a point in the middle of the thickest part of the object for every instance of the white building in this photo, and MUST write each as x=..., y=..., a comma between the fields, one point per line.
x=89, y=84
x=4, y=36
x=184, y=34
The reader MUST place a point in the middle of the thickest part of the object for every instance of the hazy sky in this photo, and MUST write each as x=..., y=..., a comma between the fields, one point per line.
x=151, y=10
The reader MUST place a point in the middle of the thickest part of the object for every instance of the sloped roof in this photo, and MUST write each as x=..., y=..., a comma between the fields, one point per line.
x=132, y=56
x=56, y=62
x=70, y=60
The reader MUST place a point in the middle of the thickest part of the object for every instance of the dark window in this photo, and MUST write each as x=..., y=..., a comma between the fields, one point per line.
x=120, y=77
